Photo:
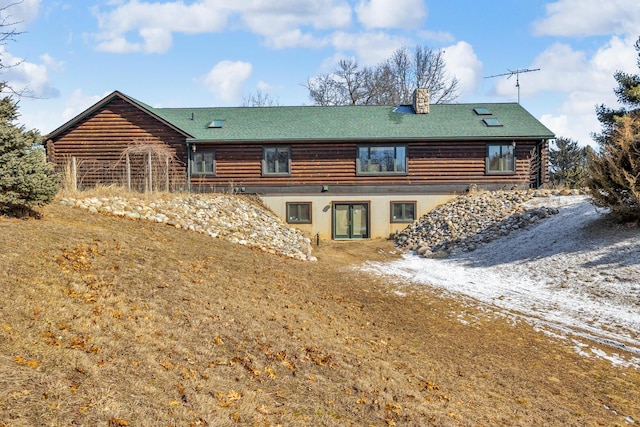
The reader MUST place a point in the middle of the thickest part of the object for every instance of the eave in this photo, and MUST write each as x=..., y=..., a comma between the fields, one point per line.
x=364, y=140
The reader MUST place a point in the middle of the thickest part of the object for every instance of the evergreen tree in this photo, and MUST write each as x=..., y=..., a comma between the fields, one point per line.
x=628, y=93
x=614, y=177
x=26, y=180
x=614, y=172
x=568, y=163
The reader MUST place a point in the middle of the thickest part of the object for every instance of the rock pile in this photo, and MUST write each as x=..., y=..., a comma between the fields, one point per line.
x=470, y=220
x=232, y=218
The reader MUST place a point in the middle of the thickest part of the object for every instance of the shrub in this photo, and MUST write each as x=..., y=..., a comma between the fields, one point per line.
x=614, y=174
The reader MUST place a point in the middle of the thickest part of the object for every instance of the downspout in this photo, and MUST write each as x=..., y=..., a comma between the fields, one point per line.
x=189, y=159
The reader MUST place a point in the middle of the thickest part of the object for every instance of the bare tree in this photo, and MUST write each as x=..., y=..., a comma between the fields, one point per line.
x=8, y=33
x=344, y=86
x=391, y=82
x=260, y=99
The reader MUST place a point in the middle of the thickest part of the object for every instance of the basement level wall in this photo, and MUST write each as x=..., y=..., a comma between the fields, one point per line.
x=379, y=215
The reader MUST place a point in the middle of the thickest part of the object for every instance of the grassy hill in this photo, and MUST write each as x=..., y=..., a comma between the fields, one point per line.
x=111, y=322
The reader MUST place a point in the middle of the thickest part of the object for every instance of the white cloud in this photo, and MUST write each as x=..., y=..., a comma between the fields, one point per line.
x=370, y=48
x=51, y=63
x=281, y=22
x=19, y=13
x=589, y=17
x=156, y=40
x=264, y=86
x=226, y=78
x=24, y=76
x=155, y=23
x=575, y=118
x=77, y=103
x=583, y=81
x=46, y=115
x=463, y=63
x=293, y=38
x=118, y=45
x=563, y=69
x=391, y=14
x=437, y=36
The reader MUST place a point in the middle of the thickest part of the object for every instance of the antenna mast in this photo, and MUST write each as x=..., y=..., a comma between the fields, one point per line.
x=517, y=73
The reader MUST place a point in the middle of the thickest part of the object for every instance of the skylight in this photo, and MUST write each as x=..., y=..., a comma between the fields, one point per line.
x=492, y=122
x=481, y=111
x=217, y=123
x=404, y=109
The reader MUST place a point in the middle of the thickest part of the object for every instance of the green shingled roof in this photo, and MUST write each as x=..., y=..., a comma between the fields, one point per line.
x=444, y=121
x=346, y=123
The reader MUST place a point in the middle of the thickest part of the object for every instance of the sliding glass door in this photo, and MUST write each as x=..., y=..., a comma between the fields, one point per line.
x=350, y=220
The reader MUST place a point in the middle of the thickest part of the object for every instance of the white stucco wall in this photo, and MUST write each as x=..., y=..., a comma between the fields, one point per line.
x=380, y=225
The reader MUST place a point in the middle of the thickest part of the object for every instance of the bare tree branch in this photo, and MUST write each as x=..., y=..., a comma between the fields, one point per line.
x=8, y=32
x=391, y=82
x=260, y=99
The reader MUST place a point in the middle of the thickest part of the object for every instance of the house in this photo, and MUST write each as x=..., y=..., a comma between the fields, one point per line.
x=335, y=172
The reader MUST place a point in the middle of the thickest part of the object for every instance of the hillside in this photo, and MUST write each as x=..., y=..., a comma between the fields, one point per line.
x=111, y=321
x=575, y=273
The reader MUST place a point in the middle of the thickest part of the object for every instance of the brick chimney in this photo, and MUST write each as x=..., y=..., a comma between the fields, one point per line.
x=421, y=101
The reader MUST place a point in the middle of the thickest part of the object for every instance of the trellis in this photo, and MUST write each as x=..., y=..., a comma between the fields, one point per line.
x=142, y=166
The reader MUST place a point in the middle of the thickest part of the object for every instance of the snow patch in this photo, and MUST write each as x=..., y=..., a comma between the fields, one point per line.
x=576, y=273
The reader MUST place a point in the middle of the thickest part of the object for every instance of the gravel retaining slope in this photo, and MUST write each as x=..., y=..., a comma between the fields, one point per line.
x=471, y=220
x=231, y=218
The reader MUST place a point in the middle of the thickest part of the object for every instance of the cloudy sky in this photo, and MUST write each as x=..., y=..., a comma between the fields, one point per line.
x=71, y=53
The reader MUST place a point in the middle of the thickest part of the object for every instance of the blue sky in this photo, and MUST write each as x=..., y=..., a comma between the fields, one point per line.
x=193, y=53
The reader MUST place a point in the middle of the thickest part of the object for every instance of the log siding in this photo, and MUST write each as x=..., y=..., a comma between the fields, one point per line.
x=99, y=142
x=334, y=163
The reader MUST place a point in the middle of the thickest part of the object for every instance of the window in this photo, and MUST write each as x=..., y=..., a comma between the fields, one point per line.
x=501, y=158
x=481, y=111
x=299, y=213
x=276, y=161
x=376, y=160
x=203, y=162
x=492, y=122
x=403, y=211
x=217, y=123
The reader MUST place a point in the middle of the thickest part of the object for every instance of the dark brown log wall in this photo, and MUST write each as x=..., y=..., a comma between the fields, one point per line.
x=334, y=164
x=98, y=143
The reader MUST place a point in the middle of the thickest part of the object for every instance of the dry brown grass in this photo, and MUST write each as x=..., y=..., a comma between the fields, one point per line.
x=111, y=322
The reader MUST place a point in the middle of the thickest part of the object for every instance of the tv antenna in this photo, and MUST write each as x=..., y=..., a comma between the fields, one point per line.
x=517, y=73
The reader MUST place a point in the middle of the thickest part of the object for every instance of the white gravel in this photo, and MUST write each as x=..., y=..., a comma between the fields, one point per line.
x=575, y=275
